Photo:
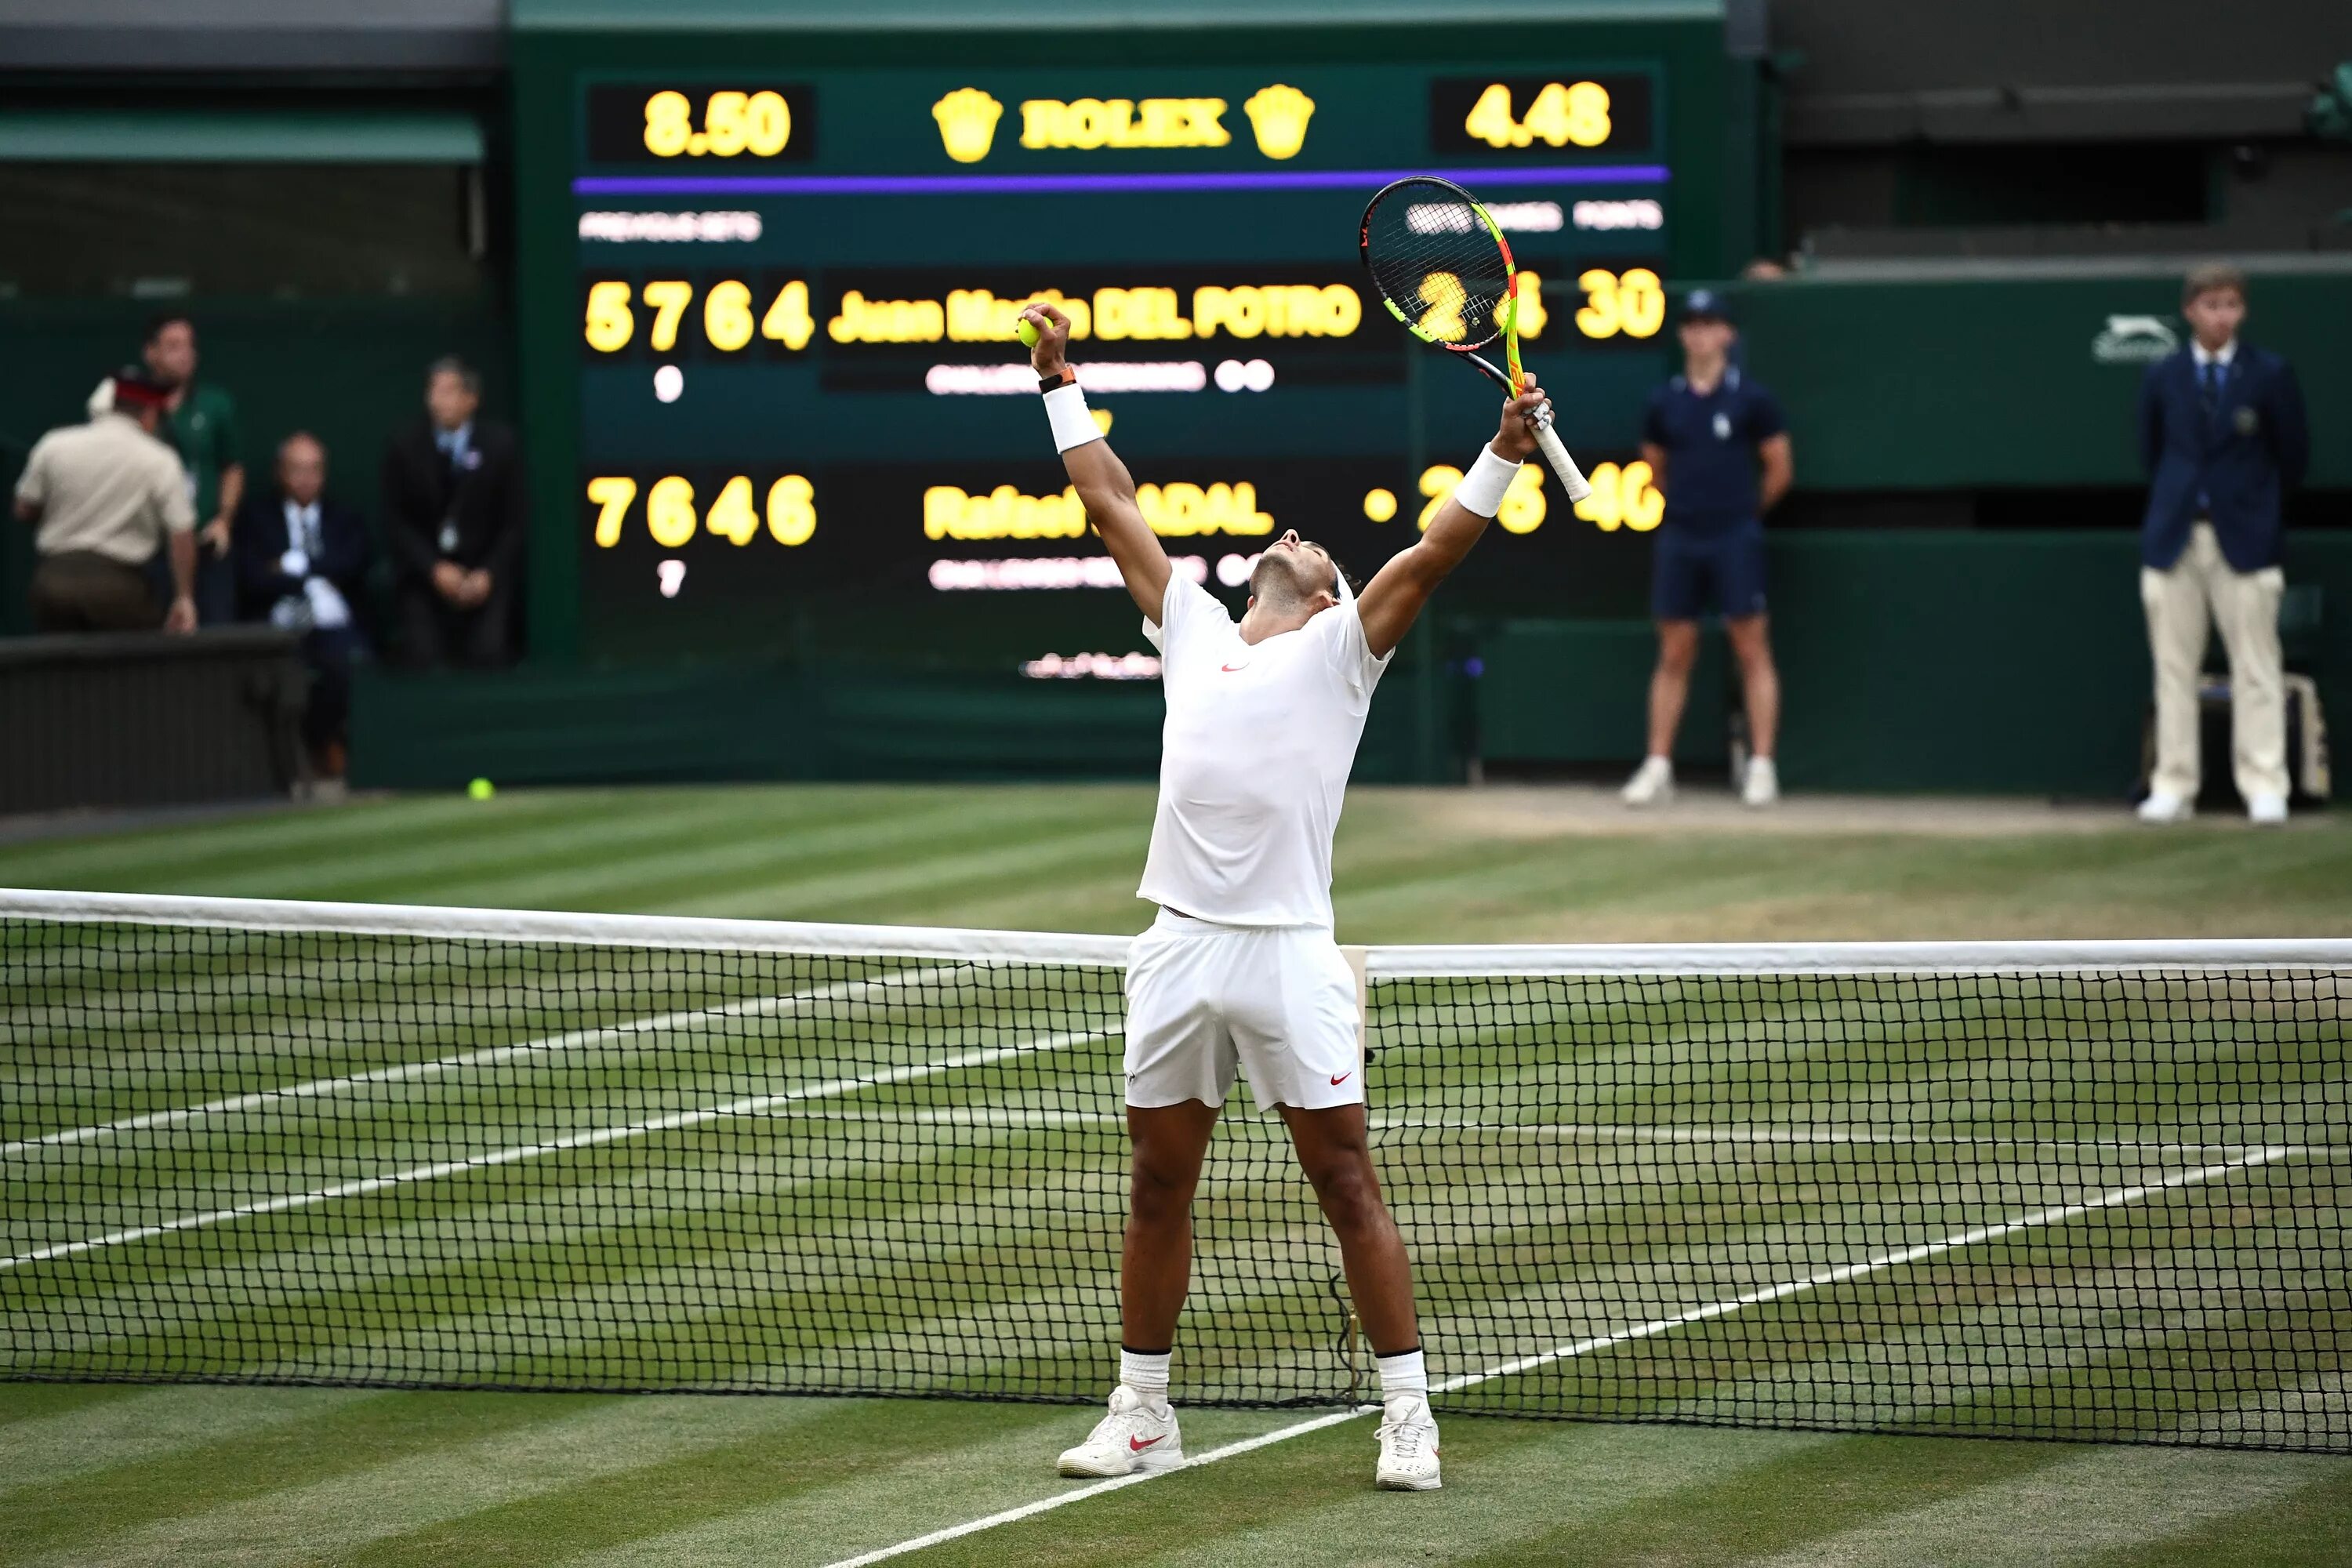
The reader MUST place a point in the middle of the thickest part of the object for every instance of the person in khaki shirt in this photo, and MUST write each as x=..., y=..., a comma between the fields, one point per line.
x=104, y=496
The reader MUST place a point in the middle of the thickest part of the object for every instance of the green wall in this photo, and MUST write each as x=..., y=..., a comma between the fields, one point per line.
x=1920, y=661
x=1970, y=382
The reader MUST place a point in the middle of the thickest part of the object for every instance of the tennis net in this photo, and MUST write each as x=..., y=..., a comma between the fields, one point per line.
x=2066, y=1190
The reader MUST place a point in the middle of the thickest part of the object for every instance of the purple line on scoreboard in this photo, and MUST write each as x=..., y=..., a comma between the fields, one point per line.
x=1041, y=184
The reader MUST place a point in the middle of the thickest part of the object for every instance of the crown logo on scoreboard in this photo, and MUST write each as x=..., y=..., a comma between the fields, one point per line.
x=1278, y=114
x=967, y=119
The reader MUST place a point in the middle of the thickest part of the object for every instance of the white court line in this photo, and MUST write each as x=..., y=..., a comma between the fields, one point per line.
x=1016, y=1116
x=2052, y=1215
x=488, y=1055
x=751, y=1106
x=956, y=1531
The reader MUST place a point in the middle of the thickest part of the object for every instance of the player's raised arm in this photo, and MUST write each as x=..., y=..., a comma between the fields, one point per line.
x=1103, y=483
x=1400, y=589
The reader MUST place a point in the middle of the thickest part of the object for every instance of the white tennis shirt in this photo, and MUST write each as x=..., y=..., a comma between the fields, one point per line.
x=1254, y=759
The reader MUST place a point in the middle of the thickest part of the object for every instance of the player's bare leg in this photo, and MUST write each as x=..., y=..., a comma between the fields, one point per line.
x=1669, y=690
x=1336, y=1153
x=1167, y=1143
x=1751, y=645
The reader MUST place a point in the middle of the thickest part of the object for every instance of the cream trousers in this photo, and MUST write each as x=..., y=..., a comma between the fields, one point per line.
x=2201, y=586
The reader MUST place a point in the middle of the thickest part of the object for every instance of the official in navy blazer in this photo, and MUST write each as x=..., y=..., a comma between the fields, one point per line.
x=2223, y=436
x=301, y=562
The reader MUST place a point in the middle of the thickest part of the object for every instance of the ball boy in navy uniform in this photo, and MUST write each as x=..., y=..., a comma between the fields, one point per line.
x=1709, y=432
x=2224, y=436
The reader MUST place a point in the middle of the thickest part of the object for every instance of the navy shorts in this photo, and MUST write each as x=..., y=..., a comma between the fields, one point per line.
x=1693, y=574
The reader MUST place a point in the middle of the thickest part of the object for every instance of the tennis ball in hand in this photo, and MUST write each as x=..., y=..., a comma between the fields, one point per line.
x=481, y=789
x=1027, y=331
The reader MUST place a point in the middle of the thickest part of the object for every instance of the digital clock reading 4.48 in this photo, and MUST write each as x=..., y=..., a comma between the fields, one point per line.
x=746, y=123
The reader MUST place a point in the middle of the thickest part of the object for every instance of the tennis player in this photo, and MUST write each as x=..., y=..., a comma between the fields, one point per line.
x=1240, y=968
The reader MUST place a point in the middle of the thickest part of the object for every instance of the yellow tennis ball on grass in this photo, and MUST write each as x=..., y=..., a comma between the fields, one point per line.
x=1026, y=329
x=481, y=789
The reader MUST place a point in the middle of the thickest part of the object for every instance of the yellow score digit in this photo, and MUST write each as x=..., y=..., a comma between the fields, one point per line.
x=767, y=124
x=723, y=120
x=612, y=494
x=727, y=316
x=1633, y=302
x=787, y=321
x=1528, y=306
x=1622, y=498
x=1562, y=114
x=669, y=121
x=792, y=510
x=670, y=300
x=731, y=516
x=611, y=323
x=1523, y=506
x=1443, y=294
x=669, y=512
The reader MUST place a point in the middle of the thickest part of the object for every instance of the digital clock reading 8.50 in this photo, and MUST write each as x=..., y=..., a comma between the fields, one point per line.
x=727, y=123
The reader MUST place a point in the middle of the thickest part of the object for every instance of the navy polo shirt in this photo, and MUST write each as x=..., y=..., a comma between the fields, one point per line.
x=1710, y=443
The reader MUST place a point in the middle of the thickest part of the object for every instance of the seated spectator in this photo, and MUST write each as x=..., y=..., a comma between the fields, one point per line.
x=454, y=522
x=199, y=423
x=106, y=496
x=301, y=562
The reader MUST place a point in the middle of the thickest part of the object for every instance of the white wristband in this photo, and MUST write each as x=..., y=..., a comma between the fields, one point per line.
x=1065, y=410
x=1481, y=490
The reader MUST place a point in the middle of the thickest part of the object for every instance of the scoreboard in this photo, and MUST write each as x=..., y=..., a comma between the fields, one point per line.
x=799, y=417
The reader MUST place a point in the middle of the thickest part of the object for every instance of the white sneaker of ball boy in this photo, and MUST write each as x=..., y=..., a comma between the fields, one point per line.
x=1140, y=1431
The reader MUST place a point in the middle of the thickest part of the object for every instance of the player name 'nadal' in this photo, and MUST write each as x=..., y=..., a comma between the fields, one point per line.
x=978, y=315
x=1177, y=510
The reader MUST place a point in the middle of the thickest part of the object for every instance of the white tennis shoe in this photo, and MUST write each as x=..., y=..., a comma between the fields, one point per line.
x=2160, y=808
x=1408, y=1437
x=1652, y=784
x=1132, y=1438
x=1760, y=784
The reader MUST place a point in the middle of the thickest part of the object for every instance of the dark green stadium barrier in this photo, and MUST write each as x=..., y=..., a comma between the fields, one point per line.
x=1974, y=382
x=1910, y=660
x=1576, y=692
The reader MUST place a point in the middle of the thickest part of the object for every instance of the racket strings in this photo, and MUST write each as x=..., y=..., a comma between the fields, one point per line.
x=1432, y=258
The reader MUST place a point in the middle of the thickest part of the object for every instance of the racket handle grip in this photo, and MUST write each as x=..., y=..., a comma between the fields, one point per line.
x=1571, y=478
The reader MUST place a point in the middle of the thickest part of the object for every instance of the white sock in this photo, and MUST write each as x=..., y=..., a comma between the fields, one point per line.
x=1147, y=1374
x=1402, y=1375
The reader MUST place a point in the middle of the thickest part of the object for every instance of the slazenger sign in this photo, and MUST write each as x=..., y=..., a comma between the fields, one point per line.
x=2134, y=339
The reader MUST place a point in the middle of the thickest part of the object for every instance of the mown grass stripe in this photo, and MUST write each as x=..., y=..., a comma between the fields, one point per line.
x=562, y=1444
x=570, y=1039
x=2069, y=1511
x=139, y=1426
x=1974, y=1237
x=592, y=1138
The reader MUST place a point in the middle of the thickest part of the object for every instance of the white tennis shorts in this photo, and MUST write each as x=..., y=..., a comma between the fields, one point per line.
x=1278, y=1001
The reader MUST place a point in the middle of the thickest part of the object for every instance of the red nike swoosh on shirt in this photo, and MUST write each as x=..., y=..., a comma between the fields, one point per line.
x=1344, y=1077
x=1136, y=1445
x=1229, y=668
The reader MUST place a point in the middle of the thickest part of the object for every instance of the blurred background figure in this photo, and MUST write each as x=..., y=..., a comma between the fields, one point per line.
x=2223, y=434
x=106, y=497
x=200, y=424
x=454, y=522
x=301, y=560
x=1707, y=434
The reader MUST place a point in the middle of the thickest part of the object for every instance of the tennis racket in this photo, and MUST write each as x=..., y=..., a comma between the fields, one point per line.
x=1440, y=263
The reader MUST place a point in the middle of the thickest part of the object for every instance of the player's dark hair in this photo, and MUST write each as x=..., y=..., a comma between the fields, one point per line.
x=162, y=318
